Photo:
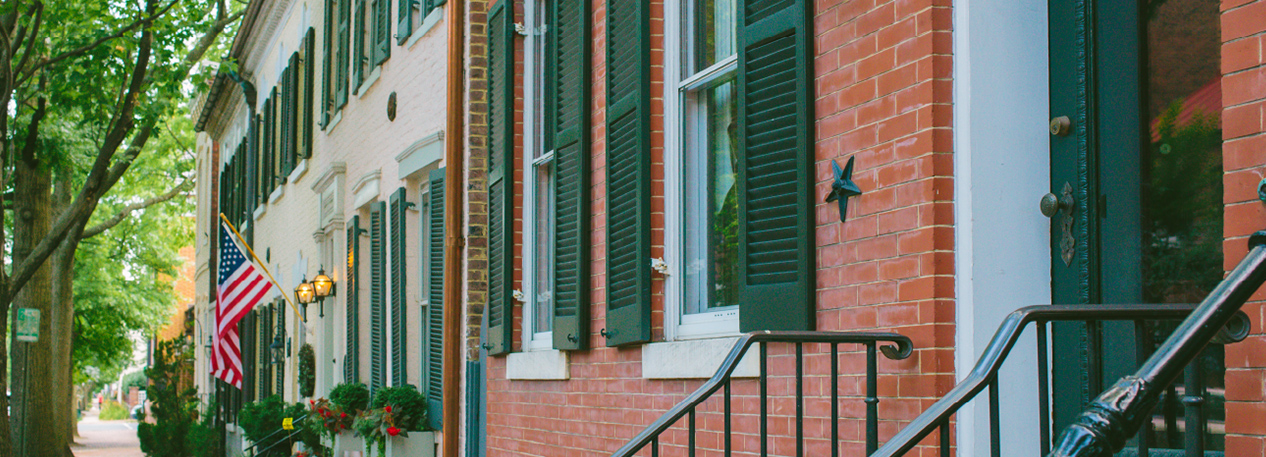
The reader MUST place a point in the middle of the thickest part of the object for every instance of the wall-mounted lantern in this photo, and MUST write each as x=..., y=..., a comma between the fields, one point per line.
x=322, y=287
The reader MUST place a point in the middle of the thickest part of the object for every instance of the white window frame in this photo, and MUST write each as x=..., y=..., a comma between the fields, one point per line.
x=677, y=324
x=532, y=340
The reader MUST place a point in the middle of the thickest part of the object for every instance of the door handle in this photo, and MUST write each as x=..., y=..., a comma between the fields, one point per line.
x=1065, y=204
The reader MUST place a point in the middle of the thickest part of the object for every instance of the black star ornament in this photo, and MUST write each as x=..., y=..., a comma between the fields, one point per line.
x=843, y=188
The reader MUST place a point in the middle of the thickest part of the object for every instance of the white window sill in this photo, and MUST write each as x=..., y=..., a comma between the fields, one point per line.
x=695, y=359
x=259, y=212
x=551, y=365
x=427, y=23
x=329, y=128
x=301, y=169
x=369, y=81
x=277, y=194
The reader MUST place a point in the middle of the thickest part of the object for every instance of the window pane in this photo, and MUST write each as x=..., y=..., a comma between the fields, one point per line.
x=712, y=26
x=544, y=230
x=711, y=197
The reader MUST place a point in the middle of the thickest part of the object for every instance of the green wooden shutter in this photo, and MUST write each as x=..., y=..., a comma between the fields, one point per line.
x=628, y=318
x=287, y=118
x=262, y=161
x=399, y=295
x=436, y=4
x=570, y=57
x=327, y=47
x=358, y=52
x=279, y=381
x=309, y=97
x=261, y=352
x=344, y=51
x=351, y=290
x=246, y=333
x=404, y=23
x=382, y=31
x=433, y=318
x=500, y=178
x=775, y=182
x=377, y=298
x=279, y=135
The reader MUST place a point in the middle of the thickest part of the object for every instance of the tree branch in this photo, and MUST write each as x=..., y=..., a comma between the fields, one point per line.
x=36, y=19
x=127, y=211
x=26, y=74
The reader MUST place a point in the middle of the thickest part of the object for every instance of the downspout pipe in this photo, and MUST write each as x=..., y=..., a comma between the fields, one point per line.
x=454, y=192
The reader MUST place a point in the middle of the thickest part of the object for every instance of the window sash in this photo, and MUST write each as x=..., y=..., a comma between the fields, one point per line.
x=536, y=141
x=680, y=84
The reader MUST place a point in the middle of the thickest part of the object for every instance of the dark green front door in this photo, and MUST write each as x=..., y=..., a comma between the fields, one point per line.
x=1136, y=156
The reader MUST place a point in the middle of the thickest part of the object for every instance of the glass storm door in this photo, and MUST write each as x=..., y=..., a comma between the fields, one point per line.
x=1136, y=171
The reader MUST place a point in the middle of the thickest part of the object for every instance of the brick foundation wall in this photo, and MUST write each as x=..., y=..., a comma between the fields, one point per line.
x=1244, y=164
x=883, y=95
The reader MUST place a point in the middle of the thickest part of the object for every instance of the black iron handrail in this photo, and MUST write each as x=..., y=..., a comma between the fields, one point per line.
x=297, y=429
x=985, y=373
x=1119, y=412
x=650, y=435
x=1217, y=318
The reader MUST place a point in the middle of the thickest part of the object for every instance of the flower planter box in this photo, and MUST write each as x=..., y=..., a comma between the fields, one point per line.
x=348, y=444
x=418, y=444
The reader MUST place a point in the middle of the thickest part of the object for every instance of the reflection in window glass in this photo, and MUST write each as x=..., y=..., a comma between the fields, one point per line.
x=711, y=197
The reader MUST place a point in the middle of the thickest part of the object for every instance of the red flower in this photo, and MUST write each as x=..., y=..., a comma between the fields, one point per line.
x=393, y=431
x=343, y=416
x=387, y=408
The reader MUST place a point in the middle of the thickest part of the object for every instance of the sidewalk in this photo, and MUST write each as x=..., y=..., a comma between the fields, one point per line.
x=106, y=438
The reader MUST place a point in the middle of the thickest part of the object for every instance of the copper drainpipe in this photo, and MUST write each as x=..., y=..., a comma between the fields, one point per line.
x=454, y=190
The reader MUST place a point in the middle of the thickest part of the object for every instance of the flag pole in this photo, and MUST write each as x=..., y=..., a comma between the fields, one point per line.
x=263, y=267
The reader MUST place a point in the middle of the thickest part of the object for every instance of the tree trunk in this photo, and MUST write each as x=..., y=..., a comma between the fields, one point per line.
x=32, y=362
x=63, y=276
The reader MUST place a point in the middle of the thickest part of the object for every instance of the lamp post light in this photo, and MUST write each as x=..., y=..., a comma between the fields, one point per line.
x=303, y=295
x=322, y=286
x=278, y=348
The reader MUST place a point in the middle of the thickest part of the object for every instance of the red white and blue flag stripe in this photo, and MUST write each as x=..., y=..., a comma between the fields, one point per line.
x=240, y=287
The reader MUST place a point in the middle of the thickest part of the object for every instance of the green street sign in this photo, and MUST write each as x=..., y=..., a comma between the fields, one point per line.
x=28, y=325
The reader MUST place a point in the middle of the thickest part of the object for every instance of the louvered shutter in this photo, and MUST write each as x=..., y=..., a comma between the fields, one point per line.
x=628, y=318
x=344, y=45
x=358, y=52
x=569, y=30
x=278, y=136
x=263, y=317
x=404, y=21
x=309, y=97
x=775, y=181
x=433, y=318
x=264, y=163
x=287, y=119
x=500, y=178
x=279, y=381
x=328, y=46
x=382, y=31
x=351, y=290
x=246, y=332
x=436, y=4
x=377, y=298
x=399, y=312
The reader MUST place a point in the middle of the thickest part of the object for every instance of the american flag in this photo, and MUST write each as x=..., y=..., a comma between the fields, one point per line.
x=241, y=287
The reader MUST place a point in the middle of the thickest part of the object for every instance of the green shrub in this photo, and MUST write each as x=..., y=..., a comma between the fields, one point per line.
x=173, y=401
x=405, y=400
x=307, y=370
x=113, y=411
x=351, y=398
x=259, y=420
x=204, y=436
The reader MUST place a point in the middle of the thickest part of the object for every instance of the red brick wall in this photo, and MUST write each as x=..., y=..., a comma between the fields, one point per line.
x=883, y=95
x=1244, y=162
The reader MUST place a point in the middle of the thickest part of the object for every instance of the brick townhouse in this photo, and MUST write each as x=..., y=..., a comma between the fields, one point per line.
x=645, y=182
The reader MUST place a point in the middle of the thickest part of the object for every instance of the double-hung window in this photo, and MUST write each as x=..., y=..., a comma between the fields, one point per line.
x=703, y=98
x=538, y=186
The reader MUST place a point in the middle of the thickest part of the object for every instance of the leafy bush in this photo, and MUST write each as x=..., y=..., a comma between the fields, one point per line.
x=135, y=379
x=406, y=401
x=204, y=437
x=259, y=420
x=351, y=398
x=307, y=370
x=173, y=401
x=113, y=411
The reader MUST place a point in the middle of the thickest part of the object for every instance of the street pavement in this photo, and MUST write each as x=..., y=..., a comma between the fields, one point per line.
x=99, y=438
